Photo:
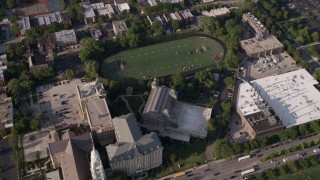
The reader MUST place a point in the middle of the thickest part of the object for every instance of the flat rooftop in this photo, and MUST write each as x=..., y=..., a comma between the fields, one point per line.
x=98, y=112
x=92, y=97
x=190, y=119
x=254, y=46
x=47, y=19
x=255, y=23
x=65, y=35
x=247, y=96
x=120, y=25
x=219, y=11
x=6, y=112
x=292, y=96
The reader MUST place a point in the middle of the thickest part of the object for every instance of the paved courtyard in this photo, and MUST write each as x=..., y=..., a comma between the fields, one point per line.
x=37, y=142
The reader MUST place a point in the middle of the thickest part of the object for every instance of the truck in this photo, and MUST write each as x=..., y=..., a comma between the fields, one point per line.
x=292, y=158
x=316, y=151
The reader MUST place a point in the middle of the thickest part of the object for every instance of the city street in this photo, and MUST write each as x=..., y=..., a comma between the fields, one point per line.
x=226, y=168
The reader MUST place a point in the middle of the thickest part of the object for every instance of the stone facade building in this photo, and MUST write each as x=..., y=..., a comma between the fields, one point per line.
x=133, y=152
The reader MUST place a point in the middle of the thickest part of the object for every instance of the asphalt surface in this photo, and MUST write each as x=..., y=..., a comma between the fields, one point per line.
x=224, y=169
x=10, y=171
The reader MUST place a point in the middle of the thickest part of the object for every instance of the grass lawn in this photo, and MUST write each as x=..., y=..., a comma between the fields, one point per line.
x=313, y=173
x=163, y=59
x=187, y=155
x=134, y=102
x=119, y=108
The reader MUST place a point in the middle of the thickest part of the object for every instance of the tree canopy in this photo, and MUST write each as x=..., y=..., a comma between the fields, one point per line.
x=90, y=49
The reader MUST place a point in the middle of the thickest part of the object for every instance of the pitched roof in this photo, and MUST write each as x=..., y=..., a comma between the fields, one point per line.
x=130, y=141
x=159, y=98
x=75, y=163
x=126, y=128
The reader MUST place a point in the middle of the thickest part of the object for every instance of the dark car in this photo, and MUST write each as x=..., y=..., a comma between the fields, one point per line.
x=259, y=155
x=237, y=171
x=232, y=177
x=216, y=174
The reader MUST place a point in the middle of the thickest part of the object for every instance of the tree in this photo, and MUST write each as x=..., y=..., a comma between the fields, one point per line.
x=11, y=3
x=212, y=102
x=173, y=158
x=205, y=78
x=315, y=126
x=177, y=80
x=316, y=74
x=230, y=82
x=13, y=87
x=13, y=141
x=315, y=36
x=305, y=65
x=91, y=68
x=41, y=74
x=3, y=132
x=10, y=50
x=32, y=35
x=89, y=49
x=35, y=123
x=69, y=74
x=157, y=28
x=175, y=25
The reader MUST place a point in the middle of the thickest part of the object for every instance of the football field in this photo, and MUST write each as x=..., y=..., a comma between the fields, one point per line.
x=163, y=59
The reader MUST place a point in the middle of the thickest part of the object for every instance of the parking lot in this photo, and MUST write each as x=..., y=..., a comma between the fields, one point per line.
x=58, y=103
x=260, y=68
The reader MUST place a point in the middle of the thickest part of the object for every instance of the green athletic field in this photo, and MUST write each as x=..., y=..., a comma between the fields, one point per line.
x=163, y=59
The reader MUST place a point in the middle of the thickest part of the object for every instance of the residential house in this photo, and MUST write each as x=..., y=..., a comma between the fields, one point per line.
x=186, y=15
x=6, y=111
x=133, y=152
x=124, y=7
x=152, y=2
x=3, y=68
x=166, y=17
x=110, y=11
x=56, y=17
x=65, y=38
x=38, y=61
x=24, y=25
x=119, y=28
x=96, y=34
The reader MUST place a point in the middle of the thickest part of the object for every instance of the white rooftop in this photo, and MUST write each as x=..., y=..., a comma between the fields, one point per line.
x=173, y=16
x=88, y=11
x=65, y=35
x=47, y=19
x=24, y=23
x=292, y=96
x=109, y=9
x=246, y=99
x=220, y=11
x=186, y=13
x=123, y=7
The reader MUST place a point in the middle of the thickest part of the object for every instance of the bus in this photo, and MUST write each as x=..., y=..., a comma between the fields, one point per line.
x=247, y=171
x=180, y=174
x=244, y=157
